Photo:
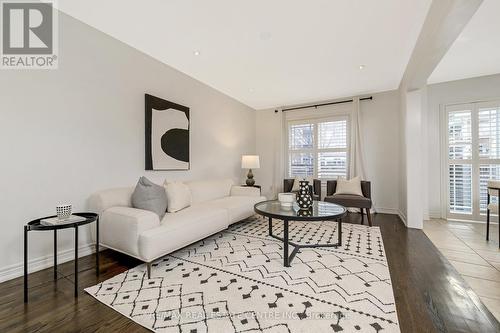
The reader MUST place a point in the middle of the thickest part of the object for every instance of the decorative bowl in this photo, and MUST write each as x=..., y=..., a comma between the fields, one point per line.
x=286, y=200
x=63, y=211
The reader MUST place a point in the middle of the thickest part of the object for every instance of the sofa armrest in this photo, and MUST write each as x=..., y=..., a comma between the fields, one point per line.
x=245, y=191
x=103, y=200
x=120, y=227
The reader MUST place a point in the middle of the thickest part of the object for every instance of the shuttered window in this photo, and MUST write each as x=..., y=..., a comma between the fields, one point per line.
x=473, y=140
x=318, y=148
x=460, y=188
x=489, y=133
x=460, y=134
x=486, y=172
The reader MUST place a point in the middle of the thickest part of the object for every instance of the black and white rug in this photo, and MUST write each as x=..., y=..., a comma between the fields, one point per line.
x=235, y=281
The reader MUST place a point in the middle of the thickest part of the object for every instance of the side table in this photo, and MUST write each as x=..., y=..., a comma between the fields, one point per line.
x=36, y=225
x=257, y=186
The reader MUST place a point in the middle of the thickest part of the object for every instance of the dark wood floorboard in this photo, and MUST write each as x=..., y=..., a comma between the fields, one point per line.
x=430, y=295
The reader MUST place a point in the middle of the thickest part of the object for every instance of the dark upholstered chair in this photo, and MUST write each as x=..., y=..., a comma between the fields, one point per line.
x=314, y=189
x=351, y=200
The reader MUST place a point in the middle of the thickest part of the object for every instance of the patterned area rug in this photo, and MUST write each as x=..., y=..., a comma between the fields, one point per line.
x=235, y=281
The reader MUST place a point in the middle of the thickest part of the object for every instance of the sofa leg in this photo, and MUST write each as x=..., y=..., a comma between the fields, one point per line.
x=362, y=216
x=148, y=264
x=369, y=216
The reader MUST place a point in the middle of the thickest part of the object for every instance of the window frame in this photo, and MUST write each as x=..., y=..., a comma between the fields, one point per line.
x=476, y=161
x=315, y=150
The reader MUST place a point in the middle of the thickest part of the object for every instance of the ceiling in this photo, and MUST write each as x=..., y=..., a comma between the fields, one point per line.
x=476, y=52
x=269, y=53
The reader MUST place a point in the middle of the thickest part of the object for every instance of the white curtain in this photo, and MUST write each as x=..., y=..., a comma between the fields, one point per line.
x=278, y=158
x=356, y=158
x=356, y=167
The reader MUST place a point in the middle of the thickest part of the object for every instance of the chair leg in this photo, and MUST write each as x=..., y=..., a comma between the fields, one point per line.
x=148, y=264
x=488, y=224
x=362, y=216
x=369, y=216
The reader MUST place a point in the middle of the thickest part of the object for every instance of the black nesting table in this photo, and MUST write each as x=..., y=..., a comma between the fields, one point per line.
x=36, y=225
x=320, y=211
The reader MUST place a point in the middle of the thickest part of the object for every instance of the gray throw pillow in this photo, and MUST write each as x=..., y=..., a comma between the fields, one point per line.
x=150, y=196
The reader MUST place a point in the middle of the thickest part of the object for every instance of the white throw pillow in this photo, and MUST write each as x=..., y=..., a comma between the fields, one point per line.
x=351, y=186
x=178, y=196
x=296, y=181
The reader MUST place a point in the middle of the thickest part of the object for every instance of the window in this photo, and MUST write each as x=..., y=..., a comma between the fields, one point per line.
x=473, y=141
x=318, y=148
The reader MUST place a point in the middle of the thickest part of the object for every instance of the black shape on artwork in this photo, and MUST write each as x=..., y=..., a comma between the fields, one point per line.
x=174, y=143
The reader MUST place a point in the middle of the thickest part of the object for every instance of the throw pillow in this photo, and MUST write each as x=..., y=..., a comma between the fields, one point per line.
x=149, y=196
x=351, y=186
x=178, y=196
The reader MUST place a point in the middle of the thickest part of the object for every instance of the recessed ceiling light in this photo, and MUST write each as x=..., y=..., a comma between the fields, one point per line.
x=362, y=66
x=251, y=90
x=196, y=53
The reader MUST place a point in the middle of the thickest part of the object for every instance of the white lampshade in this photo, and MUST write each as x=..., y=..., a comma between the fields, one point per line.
x=250, y=162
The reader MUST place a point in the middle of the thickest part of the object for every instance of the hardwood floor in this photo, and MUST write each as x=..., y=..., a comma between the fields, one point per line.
x=430, y=295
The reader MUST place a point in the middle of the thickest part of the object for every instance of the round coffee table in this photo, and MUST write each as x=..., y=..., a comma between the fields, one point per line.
x=320, y=211
x=36, y=225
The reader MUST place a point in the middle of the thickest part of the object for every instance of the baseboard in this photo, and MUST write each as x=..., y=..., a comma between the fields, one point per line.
x=37, y=264
x=402, y=217
x=382, y=210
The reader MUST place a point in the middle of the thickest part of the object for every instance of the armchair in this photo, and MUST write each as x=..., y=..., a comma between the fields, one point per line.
x=351, y=200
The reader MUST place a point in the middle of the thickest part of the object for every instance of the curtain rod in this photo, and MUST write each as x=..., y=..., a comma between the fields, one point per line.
x=324, y=104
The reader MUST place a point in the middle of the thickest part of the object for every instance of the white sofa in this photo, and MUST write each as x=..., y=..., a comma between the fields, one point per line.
x=141, y=234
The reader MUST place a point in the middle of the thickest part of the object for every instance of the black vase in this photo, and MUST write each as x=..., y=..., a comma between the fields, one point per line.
x=304, y=198
x=305, y=212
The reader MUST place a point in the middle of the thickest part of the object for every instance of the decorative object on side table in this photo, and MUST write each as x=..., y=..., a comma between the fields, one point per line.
x=250, y=162
x=167, y=135
x=38, y=225
x=63, y=211
x=304, y=198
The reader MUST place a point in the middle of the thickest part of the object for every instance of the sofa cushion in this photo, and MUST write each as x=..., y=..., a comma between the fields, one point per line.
x=178, y=196
x=181, y=229
x=149, y=196
x=202, y=191
x=237, y=207
x=349, y=200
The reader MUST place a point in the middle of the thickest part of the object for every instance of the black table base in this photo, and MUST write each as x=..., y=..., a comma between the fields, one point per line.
x=287, y=259
x=35, y=225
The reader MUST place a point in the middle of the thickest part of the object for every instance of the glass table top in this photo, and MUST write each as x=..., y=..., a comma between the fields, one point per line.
x=319, y=210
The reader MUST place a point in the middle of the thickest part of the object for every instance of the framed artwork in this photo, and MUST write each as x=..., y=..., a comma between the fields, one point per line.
x=167, y=135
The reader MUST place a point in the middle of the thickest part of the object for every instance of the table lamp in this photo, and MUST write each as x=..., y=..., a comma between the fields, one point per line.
x=250, y=162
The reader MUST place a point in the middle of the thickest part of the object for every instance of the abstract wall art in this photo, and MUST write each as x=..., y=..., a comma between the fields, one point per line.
x=167, y=135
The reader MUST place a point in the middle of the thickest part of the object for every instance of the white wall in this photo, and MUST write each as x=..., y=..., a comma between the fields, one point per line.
x=461, y=91
x=380, y=124
x=414, y=163
x=70, y=132
x=402, y=208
